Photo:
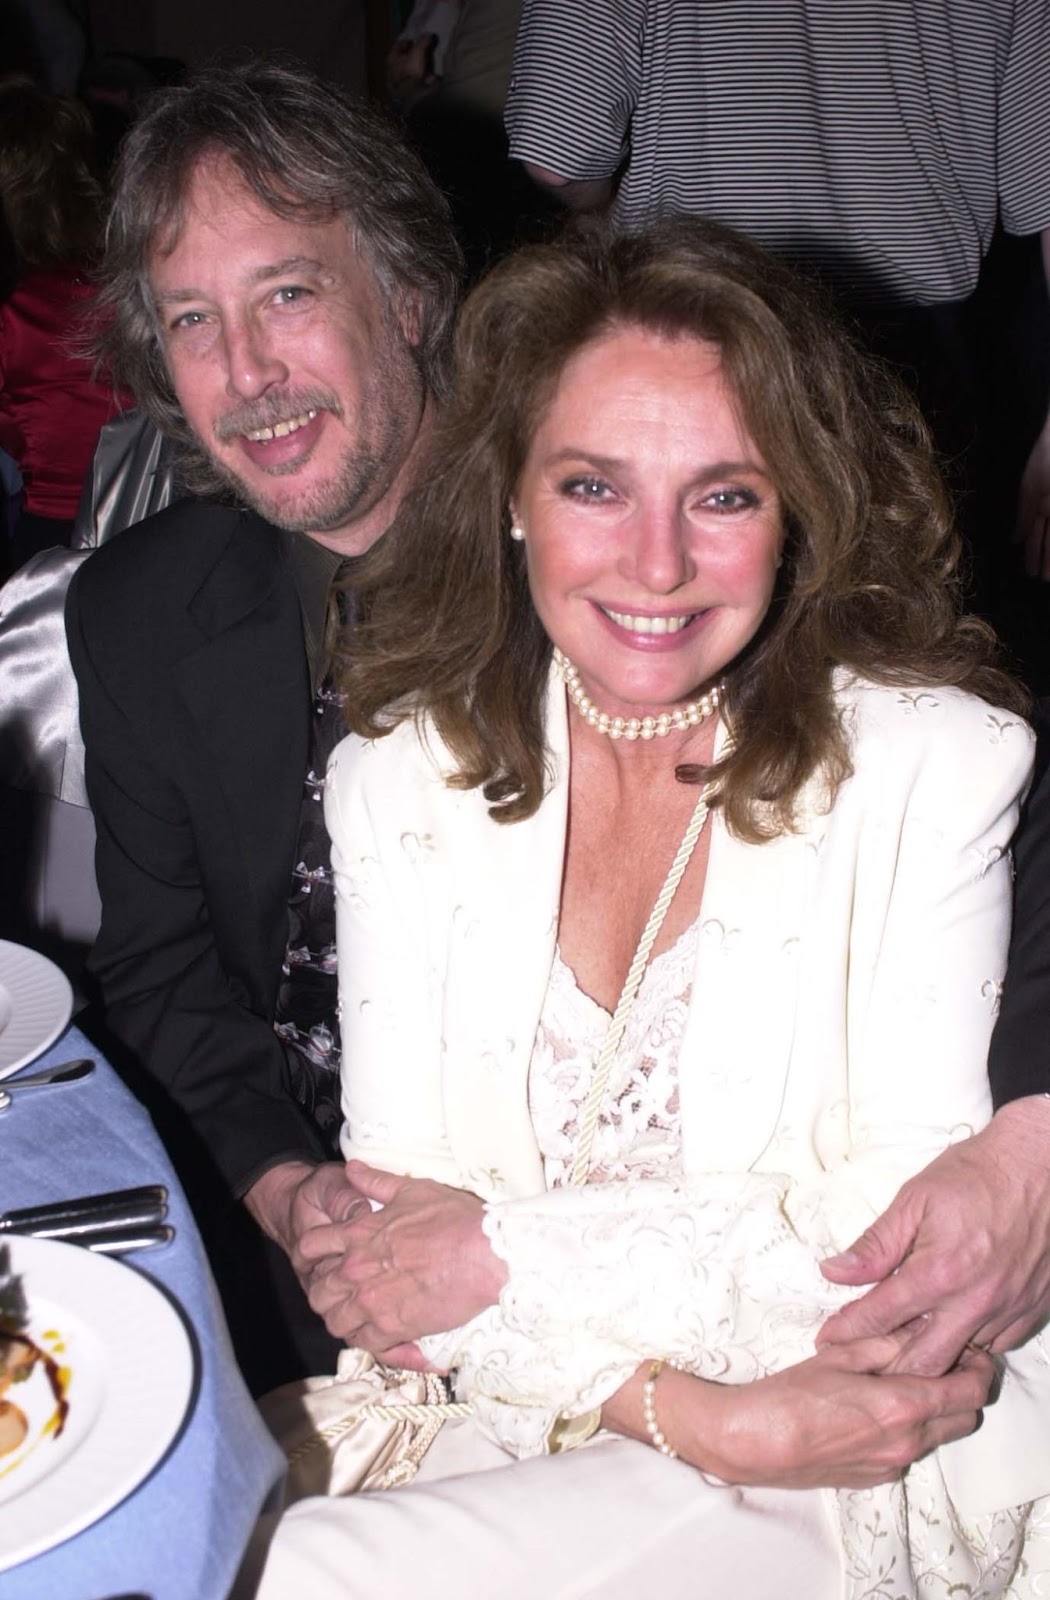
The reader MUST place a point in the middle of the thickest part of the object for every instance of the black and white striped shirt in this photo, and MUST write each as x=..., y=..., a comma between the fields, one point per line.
x=878, y=139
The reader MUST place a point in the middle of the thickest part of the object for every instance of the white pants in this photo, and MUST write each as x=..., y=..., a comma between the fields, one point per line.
x=614, y=1520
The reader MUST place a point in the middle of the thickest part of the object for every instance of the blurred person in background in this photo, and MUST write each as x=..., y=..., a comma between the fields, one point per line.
x=52, y=406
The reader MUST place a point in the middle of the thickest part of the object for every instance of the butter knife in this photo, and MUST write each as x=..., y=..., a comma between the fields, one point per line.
x=124, y=1241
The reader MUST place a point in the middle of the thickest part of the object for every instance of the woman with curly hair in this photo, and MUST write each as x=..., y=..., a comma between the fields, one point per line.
x=671, y=850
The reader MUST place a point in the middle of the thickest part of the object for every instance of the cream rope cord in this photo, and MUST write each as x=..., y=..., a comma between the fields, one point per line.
x=631, y=984
x=599, y=1083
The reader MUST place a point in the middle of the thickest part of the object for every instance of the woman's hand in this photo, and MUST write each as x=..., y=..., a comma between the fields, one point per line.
x=420, y=1264
x=837, y=1420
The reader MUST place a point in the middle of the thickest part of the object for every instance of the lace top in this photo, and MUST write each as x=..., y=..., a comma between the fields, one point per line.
x=638, y=1133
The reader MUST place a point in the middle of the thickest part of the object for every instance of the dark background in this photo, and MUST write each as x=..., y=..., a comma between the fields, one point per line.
x=346, y=40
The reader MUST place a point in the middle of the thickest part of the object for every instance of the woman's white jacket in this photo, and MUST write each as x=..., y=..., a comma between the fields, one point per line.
x=847, y=981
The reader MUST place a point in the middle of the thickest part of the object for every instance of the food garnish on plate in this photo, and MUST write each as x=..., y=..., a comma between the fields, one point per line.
x=33, y=1384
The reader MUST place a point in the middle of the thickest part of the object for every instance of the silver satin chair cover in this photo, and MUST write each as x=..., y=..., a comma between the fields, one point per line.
x=41, y=752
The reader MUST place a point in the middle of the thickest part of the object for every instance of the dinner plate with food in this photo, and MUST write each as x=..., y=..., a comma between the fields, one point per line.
x=36, y=1002
x=96, y=1376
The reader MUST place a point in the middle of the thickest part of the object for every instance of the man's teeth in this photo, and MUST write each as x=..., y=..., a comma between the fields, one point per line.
x=281, y=430
x=649, y=624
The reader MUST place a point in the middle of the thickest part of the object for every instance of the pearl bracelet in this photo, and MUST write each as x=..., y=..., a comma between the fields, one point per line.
x=657, y=1437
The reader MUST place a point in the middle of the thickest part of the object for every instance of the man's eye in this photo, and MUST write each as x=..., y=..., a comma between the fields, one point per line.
x=732, y=500
x=290, y=293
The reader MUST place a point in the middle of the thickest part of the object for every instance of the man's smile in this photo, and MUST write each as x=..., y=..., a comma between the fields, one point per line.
x=280, y=430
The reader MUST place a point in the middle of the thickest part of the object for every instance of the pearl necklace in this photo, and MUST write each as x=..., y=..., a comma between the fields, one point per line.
x=680, y=720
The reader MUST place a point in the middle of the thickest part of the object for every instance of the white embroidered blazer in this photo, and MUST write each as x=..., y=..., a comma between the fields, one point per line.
x=847, y=980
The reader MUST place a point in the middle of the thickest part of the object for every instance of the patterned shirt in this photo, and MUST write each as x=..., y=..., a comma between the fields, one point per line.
x=305, y=1019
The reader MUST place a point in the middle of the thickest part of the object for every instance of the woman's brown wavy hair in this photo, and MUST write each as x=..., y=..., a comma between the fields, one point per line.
x=869, y=577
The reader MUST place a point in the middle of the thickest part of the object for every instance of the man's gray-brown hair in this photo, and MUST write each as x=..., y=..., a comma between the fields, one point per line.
x=307, y=151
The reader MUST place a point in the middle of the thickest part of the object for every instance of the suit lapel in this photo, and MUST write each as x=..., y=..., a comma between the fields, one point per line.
x=501, y=941
x=736, y=1048
x=251, y=665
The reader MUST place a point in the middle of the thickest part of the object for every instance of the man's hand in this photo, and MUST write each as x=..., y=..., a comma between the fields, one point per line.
x=419, y=1264
x=962, y=1256
x=1033, y=515
x=294, y=1200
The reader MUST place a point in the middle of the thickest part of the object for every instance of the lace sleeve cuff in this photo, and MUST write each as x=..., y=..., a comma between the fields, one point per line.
x=710, y=1273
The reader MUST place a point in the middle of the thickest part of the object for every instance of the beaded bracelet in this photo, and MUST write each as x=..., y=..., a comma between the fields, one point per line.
x=652, y=1427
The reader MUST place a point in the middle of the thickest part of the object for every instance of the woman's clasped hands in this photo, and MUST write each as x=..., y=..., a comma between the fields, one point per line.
x=418, y=1263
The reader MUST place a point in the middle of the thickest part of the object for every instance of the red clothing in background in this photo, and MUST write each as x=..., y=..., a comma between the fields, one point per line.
x=51, y=409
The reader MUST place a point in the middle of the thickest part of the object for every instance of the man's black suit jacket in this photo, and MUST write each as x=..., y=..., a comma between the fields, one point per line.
x=187, y=642
x=1019, y=1058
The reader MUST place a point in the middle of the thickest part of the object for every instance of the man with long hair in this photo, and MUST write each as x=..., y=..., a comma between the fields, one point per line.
x=280, y=280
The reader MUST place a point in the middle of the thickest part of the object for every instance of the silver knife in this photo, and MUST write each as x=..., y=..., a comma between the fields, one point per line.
x=124, y=1241
x=66, y=1219
x=69, y=1073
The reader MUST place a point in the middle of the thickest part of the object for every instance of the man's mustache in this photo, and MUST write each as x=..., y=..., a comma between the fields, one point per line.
x=271, y=409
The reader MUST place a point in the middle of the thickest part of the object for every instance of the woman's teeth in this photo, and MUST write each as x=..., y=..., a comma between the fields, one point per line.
x=649, y=624
x=281, y=430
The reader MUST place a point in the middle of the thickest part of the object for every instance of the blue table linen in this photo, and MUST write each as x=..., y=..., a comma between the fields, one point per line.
x=181, y=1535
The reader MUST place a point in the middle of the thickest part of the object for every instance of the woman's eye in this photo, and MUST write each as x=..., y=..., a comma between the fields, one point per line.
x=586, y=487
x=188, y=319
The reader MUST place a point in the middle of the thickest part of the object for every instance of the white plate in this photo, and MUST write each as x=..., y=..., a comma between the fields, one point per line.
x=36, y=1002
x=127, y=1364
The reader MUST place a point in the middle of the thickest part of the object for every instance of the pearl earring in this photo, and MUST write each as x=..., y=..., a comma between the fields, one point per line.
x=517, y=532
